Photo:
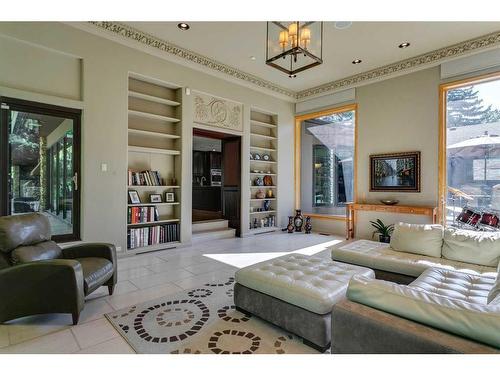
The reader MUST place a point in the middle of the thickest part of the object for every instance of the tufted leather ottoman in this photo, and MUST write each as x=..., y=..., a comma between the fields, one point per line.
x=296, y=292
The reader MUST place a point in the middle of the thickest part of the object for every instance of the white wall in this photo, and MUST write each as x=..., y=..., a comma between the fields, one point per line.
x=104, y=80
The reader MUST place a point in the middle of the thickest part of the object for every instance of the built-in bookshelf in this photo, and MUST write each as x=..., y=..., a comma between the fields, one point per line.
x=263, y=170
x=154, y=149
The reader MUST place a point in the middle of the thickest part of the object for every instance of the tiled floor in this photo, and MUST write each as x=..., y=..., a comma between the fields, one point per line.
x=146, y=277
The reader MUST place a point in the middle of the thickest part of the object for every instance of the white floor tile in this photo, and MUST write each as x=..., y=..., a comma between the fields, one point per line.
x=93, y=333
x=61, y=342
x=114, y=346
x=132, y=273
x=160, y=278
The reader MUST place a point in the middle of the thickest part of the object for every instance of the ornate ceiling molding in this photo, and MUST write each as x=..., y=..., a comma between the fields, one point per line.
x=162, y=45
x=428, y=59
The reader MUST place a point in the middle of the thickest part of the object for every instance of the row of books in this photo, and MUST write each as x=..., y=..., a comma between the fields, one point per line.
x=154, y=235
x=145, y=178
x=144, y=214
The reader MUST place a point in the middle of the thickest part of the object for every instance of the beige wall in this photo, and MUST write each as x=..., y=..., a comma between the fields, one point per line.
x=104, y=76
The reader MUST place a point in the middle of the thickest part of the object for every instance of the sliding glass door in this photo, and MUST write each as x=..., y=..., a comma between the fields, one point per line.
x=40, y=164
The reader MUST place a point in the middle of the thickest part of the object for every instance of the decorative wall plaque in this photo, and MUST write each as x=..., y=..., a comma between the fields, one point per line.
x=218, y=112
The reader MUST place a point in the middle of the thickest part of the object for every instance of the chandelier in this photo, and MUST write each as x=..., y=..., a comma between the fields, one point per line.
x=293, y=47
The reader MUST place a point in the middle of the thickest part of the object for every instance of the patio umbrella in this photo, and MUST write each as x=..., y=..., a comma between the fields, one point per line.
x=484, y=146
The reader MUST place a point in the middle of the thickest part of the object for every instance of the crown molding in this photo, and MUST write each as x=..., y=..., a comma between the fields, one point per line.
x=419, y=62
x=172, y=49
x=423, y=61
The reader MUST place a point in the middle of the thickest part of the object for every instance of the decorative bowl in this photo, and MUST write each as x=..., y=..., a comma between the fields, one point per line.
x=389, y=202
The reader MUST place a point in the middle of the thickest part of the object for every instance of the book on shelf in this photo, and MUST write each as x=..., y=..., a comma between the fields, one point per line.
x=154, y=235
x=145, y=178
x=145, y=214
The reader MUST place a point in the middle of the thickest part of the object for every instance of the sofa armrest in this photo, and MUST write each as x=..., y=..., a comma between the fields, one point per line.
x=85, y=250
x=47, y=286
x=361, y=329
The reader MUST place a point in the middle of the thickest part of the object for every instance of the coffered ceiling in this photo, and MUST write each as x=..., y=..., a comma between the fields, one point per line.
x=376, y=43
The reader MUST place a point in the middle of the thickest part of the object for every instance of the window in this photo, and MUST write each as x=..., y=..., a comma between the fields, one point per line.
x=325, y=161
x=470, y=151
x=40, y=153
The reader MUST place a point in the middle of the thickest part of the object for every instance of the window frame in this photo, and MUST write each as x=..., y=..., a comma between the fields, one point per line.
x=297, y=156
x=442, y=161
x=73, y=114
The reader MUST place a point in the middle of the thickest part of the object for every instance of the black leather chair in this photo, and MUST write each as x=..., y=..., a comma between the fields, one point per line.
x=38, y=277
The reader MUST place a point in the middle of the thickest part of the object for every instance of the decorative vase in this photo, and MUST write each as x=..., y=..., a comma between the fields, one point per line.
x=267, y=205
x=289, y=227
x=268, y=180
x=260, y=194
x=270, y=193
x=259, y=181
x=298, y=221
x=255, y=225
x=308, y=225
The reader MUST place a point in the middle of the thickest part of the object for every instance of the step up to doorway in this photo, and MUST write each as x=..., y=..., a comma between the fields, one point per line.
x=208, y=225
x=213, y=234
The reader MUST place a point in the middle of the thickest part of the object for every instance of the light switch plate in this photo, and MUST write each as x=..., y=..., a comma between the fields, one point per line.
x=104, y=167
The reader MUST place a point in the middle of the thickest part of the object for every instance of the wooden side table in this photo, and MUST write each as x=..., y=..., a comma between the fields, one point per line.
x=351, y=209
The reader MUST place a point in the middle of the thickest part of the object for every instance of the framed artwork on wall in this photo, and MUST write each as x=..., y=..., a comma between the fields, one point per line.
x=399, y=172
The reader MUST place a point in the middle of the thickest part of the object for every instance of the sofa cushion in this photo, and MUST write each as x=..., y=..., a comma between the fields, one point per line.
x=40, y=251
x=23, y=230
x=380, y=256
x=424, y=239
x=313, y=283
x=96, y=271
x=472, y=247
x=472, y=320
x=495, y=291
x=457, y=285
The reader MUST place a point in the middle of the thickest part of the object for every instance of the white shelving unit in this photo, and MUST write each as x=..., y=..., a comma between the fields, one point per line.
x=263, y=166
x=154, y=144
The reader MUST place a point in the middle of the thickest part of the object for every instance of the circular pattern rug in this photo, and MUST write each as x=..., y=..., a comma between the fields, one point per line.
x=201, y=321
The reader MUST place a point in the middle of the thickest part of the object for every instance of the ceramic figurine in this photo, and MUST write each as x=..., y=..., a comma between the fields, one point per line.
x=255, y=225
x=298, y=221
x=308, y=225
x=289, y=227
x=260, y=194
x=259, y=181
x=270, y=193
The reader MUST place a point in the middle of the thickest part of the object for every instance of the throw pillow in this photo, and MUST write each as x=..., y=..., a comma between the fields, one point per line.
x=423, y=239
x=469, y=246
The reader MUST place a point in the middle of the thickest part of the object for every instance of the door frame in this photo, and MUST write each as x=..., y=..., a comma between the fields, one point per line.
x=73, y=114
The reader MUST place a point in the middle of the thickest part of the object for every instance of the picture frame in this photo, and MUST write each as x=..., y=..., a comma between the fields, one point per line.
x=169, y=197
x=395, y=172
x=155, y=198
x=133, y=197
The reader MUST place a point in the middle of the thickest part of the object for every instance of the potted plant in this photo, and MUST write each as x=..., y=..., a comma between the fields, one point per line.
x=384, y=231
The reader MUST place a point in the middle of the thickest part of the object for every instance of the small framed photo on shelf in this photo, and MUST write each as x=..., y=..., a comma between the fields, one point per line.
x=169, y=197
x=133, y=197
x=155, y=198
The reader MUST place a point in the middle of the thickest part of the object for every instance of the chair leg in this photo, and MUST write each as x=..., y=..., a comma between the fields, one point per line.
x=75, y=316
x=111, y=288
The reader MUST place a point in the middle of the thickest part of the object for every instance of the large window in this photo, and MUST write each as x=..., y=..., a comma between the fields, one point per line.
x=40, y=161
x=470, y=150
x=325, y=161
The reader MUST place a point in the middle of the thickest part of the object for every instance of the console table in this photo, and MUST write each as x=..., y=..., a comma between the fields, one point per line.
x=351, y=209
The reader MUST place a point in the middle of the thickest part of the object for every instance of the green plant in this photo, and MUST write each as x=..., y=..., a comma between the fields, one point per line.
x=382, y=229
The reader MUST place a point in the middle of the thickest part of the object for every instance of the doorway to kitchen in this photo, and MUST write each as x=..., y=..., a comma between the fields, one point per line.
x=216, y=182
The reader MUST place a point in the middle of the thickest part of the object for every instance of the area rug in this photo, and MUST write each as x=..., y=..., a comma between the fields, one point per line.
x=201, y=320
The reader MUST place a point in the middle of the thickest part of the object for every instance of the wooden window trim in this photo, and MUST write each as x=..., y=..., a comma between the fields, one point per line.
x=443, y=89
x=297, y=145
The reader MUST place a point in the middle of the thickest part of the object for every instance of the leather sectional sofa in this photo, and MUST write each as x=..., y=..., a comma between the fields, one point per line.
x=450, y=305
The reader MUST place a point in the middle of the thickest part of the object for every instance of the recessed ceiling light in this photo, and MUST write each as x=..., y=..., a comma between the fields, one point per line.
x=252, y=58
x=357, y=61
x=341, y=25
x=183, y=26
x=404, y=45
